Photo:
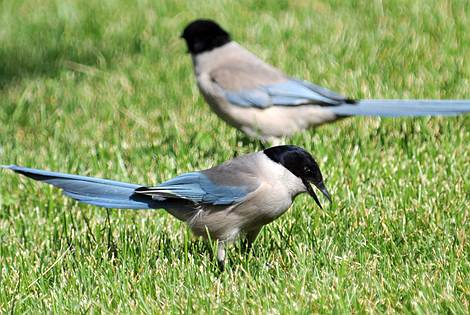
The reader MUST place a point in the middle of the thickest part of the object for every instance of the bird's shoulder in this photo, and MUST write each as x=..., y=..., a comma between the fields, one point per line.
x=240, y=171
x=239, y=69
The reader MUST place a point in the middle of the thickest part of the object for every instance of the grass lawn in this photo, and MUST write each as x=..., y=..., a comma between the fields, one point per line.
x=104, y=88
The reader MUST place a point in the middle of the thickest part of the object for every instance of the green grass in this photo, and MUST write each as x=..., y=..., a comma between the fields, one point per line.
x=104, y=88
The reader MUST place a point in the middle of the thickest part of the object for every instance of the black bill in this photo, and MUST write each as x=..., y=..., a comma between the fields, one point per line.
x=322, y=188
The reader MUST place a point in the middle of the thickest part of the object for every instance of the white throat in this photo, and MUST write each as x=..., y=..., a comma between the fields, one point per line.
x=279, y=175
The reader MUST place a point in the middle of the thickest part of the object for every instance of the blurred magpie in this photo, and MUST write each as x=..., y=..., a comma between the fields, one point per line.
x=264, y=103
x=235, y=198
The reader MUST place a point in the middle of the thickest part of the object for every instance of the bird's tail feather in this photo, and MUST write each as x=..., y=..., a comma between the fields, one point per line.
x=94, y=191
x=396, y=108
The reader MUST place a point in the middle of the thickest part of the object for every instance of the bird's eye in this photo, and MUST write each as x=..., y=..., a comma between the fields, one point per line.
x=307, y=170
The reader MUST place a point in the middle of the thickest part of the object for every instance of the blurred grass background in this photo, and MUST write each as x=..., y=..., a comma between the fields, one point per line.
x=104, y=88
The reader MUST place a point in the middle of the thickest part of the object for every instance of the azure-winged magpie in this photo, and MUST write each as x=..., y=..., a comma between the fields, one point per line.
x=235, y=198
x=265, y=103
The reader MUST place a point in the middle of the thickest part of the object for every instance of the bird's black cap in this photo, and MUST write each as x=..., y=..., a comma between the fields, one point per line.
x=204, y=35
x=300, y=163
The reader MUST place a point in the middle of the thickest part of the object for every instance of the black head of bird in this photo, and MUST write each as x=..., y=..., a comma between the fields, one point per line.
x=204, y=35
x=300, y=163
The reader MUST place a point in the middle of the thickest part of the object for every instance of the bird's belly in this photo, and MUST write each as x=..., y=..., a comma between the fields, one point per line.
x=226, y=224
x=216, y=224
x=223, y=109
x=280, y=121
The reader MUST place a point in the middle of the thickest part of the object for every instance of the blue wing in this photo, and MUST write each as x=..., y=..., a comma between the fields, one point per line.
x=198, y=188
x=291, y=92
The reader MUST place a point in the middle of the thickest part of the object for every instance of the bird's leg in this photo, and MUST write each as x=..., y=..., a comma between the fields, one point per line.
x=221, y=255
x=277, y=141
x=263, y=144
x=238, y=143
x=249, y=239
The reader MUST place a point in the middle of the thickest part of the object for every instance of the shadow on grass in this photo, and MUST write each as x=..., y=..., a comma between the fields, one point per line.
x=44, y=39
x=18, y=62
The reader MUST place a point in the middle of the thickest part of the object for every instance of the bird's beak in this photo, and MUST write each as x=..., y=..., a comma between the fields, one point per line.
x=322, y=188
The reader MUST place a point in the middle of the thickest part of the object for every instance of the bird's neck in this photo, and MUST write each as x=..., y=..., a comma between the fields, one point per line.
x=207, y=61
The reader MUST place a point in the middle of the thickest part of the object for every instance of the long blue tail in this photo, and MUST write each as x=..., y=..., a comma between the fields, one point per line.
x=396, y=108
x=94, y=191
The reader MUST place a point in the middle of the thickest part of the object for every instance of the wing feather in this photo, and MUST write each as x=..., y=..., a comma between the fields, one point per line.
x=198, y=188
x=263, y=87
